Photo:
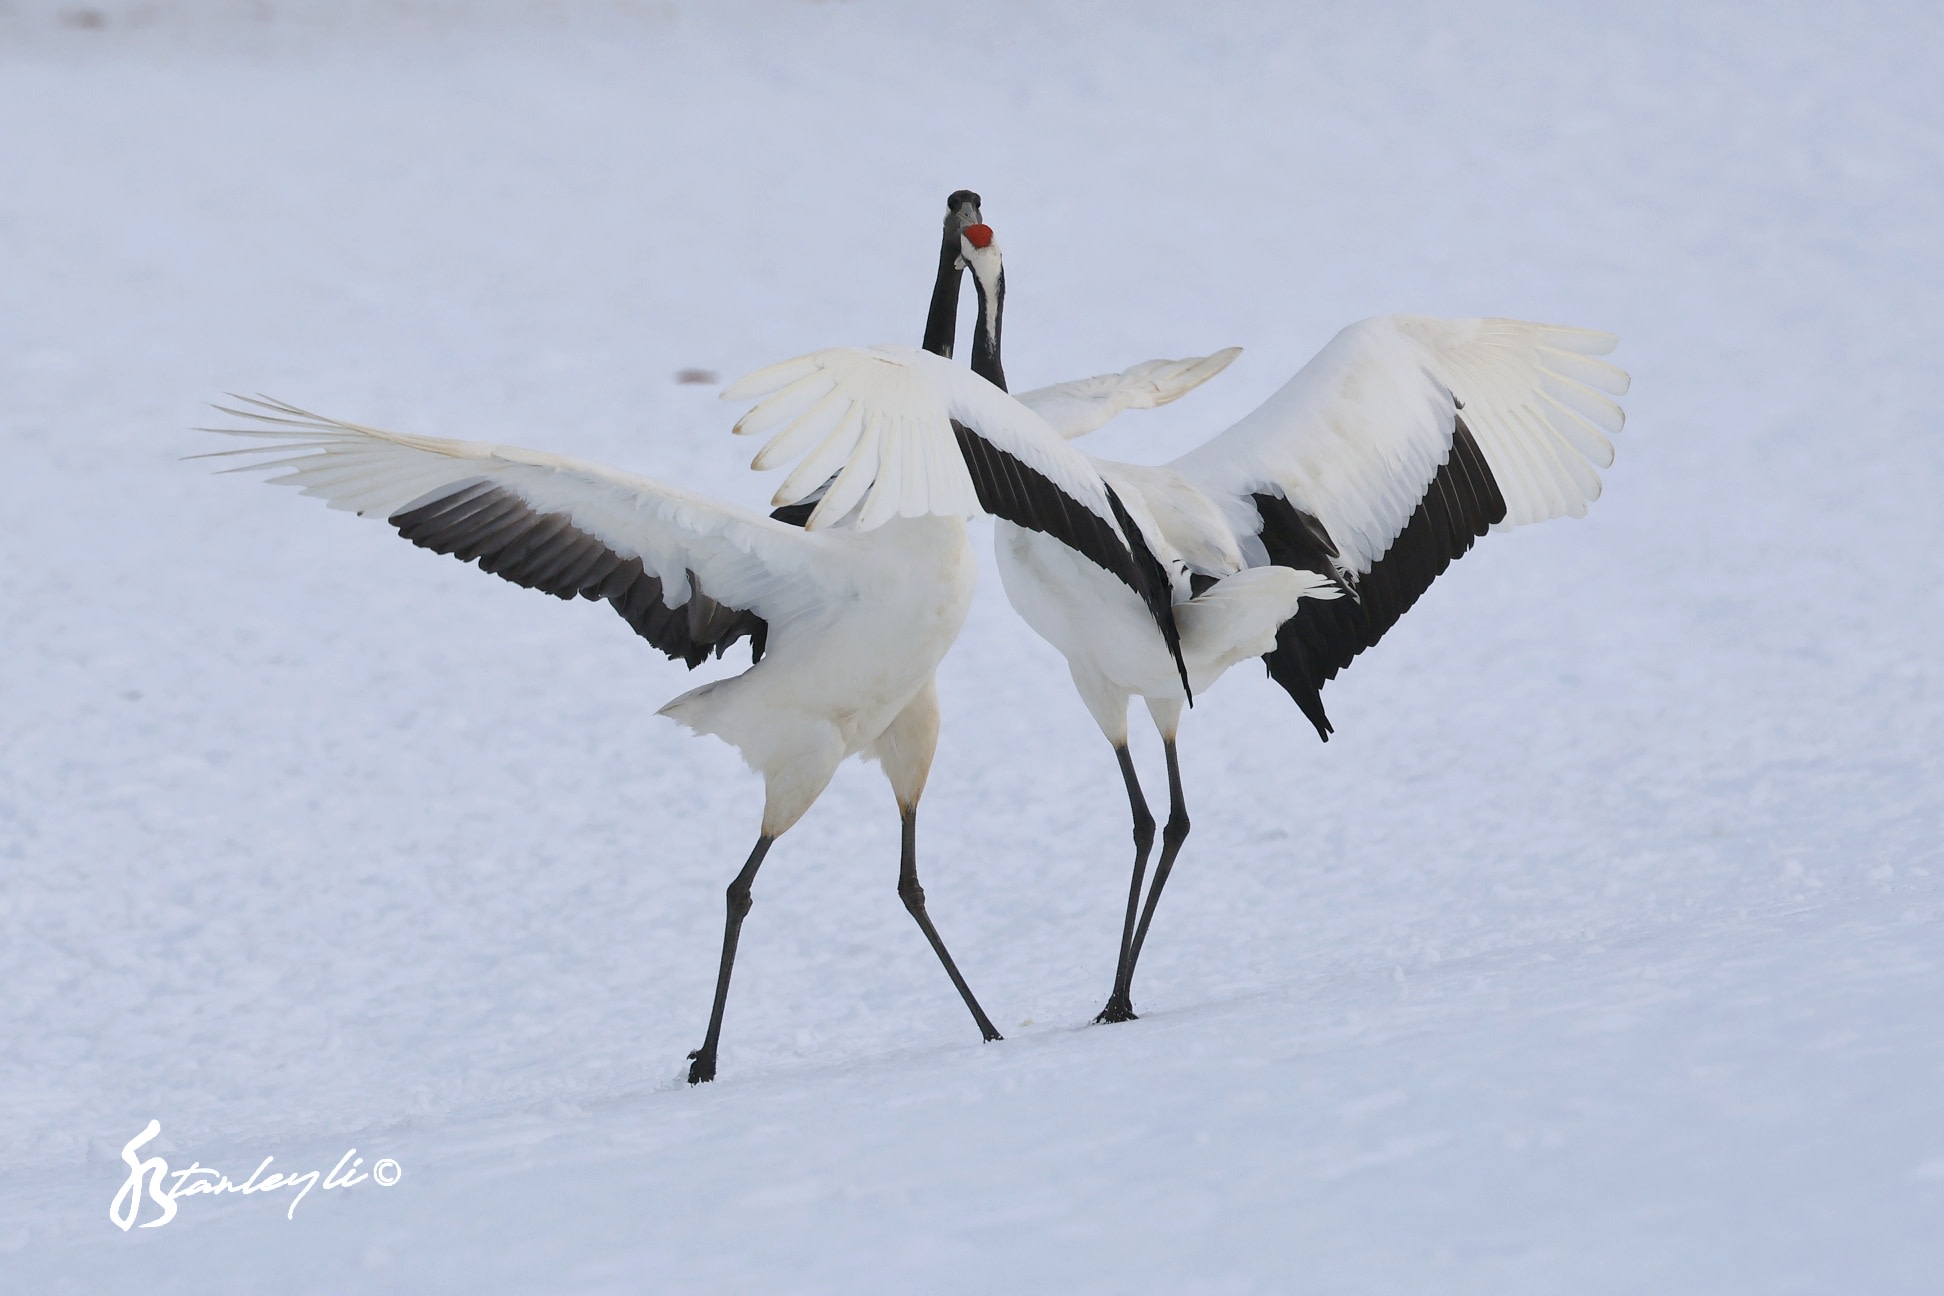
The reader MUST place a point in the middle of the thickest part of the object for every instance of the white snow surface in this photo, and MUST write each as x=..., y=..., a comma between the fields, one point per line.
x=1602, y=950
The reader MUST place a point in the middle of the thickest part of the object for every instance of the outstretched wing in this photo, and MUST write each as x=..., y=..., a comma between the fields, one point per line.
x=890, y=431
x=1076, y=408
x=689, y=575
x=1392, y=451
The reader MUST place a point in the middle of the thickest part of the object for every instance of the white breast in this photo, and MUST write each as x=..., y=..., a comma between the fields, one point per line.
x=1092, y=618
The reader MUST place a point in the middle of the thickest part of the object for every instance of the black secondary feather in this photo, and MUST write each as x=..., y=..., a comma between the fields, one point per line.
x=483, y=521
x=1460, y=503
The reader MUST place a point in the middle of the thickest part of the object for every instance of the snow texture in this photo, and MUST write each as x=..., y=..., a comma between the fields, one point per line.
x=1602, y=950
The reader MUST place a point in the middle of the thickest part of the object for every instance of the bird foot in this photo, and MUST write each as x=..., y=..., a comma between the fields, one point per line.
x=701, y=1068
x=1120, y=1008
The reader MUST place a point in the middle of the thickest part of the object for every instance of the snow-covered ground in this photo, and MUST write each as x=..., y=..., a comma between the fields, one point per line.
x=1601, y=951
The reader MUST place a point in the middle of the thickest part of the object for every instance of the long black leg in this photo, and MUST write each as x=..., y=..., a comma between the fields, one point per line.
x=913, y=896
x=702, y=1065
x=1120, y=1006
x=1172, y=835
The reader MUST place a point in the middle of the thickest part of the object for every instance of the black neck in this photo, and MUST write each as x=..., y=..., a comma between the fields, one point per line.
x=941, y=323
x=985, y=342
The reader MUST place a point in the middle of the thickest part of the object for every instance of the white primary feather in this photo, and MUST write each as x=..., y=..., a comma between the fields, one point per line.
x=889, y=411
x=1539, y=404
x=1076, y=408
x=742, y=558
x=1359, y=432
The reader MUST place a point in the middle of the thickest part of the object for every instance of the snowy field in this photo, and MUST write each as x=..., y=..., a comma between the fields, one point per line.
x=1601, y=951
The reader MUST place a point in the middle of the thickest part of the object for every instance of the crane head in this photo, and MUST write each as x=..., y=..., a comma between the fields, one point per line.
x=962, y=209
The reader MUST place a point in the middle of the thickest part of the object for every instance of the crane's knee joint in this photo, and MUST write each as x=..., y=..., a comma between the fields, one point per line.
x=739, y=899
x=1176, y=832
x=911, y=893
x=1143, y=831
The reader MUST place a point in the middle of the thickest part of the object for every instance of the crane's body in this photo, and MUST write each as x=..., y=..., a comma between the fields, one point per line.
x=853, y=678
x=847, y=609
x=1108, y=639
x=1303, y=532
x=1298, y=536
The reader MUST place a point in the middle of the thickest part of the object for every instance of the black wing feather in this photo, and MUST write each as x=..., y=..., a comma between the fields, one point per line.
x=1010, y=488
x=546, y=551
x=1007, y=487
x=1461, y=502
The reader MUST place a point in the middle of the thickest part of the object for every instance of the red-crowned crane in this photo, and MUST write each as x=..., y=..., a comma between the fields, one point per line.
x=1401, y=443
x=847, y=616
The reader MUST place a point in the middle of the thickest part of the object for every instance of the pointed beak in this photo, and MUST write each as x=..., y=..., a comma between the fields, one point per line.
x=961, y=209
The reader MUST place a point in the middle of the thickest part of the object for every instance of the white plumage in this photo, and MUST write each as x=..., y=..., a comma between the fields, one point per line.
x=1353, y=441
x=1345, y=493
x=1076, y=408
x=847, y=617
x=847, y=626
x=744, y=558
x=1356, y=435
x=1364, y=476
x=856, y=622
x=879, y=419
